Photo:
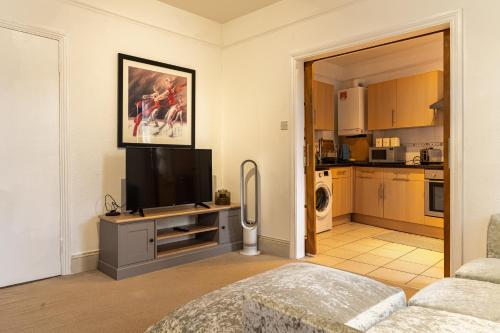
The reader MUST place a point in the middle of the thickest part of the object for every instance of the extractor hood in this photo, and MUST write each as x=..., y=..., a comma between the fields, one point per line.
x=437, y=106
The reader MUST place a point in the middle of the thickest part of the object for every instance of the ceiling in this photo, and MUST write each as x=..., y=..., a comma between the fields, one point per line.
x=220, y=10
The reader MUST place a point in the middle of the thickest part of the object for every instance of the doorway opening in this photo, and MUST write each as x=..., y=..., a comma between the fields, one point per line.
x=368, y=225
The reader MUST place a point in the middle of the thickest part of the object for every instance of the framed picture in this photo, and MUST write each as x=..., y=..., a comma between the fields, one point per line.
x=156, y=103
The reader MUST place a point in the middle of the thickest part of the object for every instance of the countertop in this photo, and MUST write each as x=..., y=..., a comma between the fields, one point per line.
x=324, y=166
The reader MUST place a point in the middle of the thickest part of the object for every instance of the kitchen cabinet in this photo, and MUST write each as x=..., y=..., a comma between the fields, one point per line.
x=414, y=96
x=342, y=191
x=404, y=102
x=323, y=106
x=382, y=105
x=368, y=198
x=403, y=195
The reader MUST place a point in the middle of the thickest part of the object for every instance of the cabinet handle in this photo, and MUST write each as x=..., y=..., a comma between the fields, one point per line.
x=401, y=179
x=151, y=240
x=365, y=177
x=223, y=227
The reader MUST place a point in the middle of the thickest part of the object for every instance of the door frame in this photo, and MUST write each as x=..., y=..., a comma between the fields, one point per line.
x=64, y=191
x=449, y=20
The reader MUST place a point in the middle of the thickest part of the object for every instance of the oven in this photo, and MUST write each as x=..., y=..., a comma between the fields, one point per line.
x=434, y=193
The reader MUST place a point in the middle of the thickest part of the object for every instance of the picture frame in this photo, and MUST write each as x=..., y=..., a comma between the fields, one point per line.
x=156, y=104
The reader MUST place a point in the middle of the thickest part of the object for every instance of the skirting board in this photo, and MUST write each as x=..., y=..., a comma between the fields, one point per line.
x=412, y=228
x=274, y=246
x=85, y=261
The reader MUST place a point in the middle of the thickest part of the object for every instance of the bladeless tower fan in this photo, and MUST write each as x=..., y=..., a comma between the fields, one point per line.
x=249, y=226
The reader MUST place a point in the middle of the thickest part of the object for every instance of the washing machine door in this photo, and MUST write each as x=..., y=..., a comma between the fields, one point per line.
x=323, y=200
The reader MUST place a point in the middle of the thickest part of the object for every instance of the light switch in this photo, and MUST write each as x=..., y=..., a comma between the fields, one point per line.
x=284, y=125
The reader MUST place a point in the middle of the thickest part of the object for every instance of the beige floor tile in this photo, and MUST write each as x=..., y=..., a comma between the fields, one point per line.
x=333, y=243
x=324, y=260
x=392, y=275
x=372, y=242
x=387, y=253
x=440, y=264
x=323, y=248
x=420, y=282
x=424, y=257
x=406, y=266
x=355, y=267
x=342, y=253
x=372, y=259
x=355, y=246
x=398, y=247
x=323, y=235
x=434, y=272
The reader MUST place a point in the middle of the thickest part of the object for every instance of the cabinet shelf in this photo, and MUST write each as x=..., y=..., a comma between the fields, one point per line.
x=189, y=245
x=170, y=233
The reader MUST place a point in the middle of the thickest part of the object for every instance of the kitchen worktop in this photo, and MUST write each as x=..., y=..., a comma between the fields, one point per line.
x=325, y=166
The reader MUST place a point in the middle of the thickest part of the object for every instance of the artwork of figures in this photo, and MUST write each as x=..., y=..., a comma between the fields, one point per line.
x=155, y=103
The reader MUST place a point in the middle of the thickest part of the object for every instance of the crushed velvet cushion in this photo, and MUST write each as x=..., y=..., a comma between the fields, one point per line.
x=416, y=319
x=469, y=297
x=494, y=237
x=484, y=269
x=265, y=314
x=341, y=296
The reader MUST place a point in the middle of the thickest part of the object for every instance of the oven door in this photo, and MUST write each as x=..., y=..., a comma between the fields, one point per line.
x=434, y=198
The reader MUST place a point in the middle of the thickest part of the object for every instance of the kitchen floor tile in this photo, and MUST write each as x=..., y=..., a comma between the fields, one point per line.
x=406, y=266
x=387, y=253
x=424, y=257
x=342, y=253
x=434, y=272
x=392, y=275
x=372, y=259
x=398, y=247
x=421, y=282
x=323, y=248
x=372, y=242
x=333, y=243
x=440, y=264
x=355, y=246
x=324, y=260
x=323, y=235
x=355, y=267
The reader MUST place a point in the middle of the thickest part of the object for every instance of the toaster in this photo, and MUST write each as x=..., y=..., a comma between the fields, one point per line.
x=431, y=155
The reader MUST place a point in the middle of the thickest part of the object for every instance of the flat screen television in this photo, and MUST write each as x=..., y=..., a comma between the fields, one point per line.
x=159, y=177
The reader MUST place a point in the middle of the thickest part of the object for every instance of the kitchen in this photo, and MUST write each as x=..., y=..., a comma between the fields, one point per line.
x=379, y=140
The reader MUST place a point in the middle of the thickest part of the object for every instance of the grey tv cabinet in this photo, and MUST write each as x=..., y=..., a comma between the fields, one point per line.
x=131, y=245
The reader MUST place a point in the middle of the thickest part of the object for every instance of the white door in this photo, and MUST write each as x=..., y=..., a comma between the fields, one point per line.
x=29, y=153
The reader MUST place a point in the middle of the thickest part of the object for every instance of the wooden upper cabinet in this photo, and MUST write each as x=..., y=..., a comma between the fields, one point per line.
x=404, y=102
x=414, y=96
x=381, y=105
x=323, y=107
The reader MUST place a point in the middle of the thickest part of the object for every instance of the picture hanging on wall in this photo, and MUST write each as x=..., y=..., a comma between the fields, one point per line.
x=156, y=103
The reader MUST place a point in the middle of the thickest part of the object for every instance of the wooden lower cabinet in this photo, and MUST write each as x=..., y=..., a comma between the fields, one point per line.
x=368, y=185
x=403, y=194
x=342, y=191
x=391, y=193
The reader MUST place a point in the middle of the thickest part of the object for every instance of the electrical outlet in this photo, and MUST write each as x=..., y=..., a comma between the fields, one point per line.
x=284, y=125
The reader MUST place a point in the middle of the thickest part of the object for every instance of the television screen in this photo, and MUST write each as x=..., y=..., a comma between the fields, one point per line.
x=158, y=177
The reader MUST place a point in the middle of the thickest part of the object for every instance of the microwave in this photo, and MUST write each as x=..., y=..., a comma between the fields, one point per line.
x=387, y=154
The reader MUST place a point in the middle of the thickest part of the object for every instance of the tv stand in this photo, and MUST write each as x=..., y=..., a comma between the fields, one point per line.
x=135, y=244
x=201, y=204
x=138, y=210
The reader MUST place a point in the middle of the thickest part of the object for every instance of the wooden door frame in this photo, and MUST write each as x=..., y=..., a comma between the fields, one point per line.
x=450, y=20
x=64, y=192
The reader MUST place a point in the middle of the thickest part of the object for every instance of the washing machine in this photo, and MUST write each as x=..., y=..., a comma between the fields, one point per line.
x=323, y=188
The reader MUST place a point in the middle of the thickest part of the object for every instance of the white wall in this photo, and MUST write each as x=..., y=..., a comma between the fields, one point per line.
x=257, y=96
x=93, y=40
